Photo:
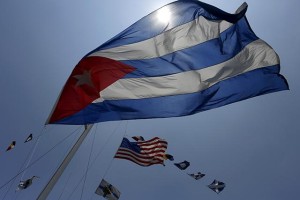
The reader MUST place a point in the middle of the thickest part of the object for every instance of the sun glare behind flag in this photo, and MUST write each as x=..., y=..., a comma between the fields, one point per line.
x=198, y=57
x=143, y=153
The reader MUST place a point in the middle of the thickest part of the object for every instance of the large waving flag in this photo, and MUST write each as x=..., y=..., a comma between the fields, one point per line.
x=181, y=59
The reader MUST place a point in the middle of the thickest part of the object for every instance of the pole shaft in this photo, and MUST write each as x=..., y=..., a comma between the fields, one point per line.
x=47, y=189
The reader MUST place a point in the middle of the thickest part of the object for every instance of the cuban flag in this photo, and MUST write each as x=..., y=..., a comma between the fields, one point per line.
x=181, y=59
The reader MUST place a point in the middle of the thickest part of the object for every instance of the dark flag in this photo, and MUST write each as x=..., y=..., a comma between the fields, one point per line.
x=138, y=138
x=108, y=191
x=25, y=184
x=183, y=165
x=29, y=138
x=217, y=186
x=11, y=146
x=168, y=157
x=197, y=176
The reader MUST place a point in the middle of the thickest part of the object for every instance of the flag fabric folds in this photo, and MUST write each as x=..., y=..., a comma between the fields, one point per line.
x=108, y=191
x=182, y=165
x=169, y=157
x=197, y=175
x=198, y=59
x=143, y=153
x=217, y=186
x=25, y=184
x=11, y=146
x=138, y=138
x=29, y=138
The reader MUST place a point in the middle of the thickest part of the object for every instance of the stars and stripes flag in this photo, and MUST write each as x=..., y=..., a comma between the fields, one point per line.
x=181, y=59
x=143, y=153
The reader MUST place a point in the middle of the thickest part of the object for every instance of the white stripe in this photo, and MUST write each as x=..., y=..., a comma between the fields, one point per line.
x=154, y=146
x=133, y=159
x=181, y=37
x=154, y=152
x=255, y=55
x=130, y=155
x=157, y=161
x=153, y=149
x=158, y=140
x=133, y=153
x=140, y=155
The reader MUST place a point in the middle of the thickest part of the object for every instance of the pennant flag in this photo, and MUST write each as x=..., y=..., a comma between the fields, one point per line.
x=168, y=157
x=181, y=59
x=217, y=186
x=197, y=176
x=11, y=146
x=144, y=153
x=108, y=191
x=29, y=138
x=138, y=138
x=183, y=165
x=25, y=184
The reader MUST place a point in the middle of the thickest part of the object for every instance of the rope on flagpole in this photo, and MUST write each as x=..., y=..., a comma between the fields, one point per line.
x=110, y=163
x=39, y=158
x=65, y=186
x=98, y=154
x=87, y=167
x=41, y=132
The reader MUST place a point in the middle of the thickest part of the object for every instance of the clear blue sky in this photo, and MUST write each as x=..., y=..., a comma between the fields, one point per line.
x=253, y=145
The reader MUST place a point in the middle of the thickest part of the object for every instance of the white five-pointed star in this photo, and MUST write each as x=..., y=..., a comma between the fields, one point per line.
x=84, y=78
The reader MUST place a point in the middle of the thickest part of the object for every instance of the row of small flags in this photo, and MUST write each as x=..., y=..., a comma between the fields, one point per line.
x=216, y=186
x=13, y=143
x=25, y=183
x=146, y=153
x=110, y=192
x=141, y=152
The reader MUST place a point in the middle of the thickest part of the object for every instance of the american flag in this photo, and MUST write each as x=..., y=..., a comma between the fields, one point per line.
x=143, y=153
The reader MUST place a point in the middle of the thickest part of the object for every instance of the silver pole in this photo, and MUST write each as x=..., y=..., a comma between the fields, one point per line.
x=47, y=189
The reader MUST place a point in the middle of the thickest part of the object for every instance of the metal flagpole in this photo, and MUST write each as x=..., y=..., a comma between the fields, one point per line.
x=47, y=189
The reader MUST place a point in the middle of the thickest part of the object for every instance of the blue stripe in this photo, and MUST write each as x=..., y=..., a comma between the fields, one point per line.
x=209, y=53
x=182, y=12
x=257, y=82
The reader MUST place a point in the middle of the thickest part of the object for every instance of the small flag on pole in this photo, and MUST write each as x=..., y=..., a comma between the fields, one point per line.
x=29, y=138
x=108, y=191
x=11, y=146
x=25, y=184
x=217, y=186
x=197, y=176
x=183, y=165
x=168, y=157
x=138, y=138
